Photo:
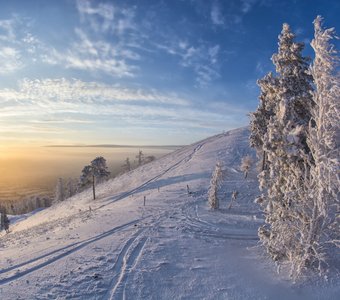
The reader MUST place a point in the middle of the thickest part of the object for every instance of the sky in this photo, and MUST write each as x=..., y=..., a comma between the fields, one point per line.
x=145, y=72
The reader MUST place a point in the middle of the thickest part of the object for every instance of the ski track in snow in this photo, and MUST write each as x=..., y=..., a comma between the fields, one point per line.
x=202, y=228
x=15, y=272
x=145, y=184
x=127, y=259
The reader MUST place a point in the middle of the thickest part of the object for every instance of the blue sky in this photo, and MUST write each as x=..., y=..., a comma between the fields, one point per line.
x=139, y=72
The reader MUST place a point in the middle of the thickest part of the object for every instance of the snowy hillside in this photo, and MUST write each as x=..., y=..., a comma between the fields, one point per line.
x=174, y=247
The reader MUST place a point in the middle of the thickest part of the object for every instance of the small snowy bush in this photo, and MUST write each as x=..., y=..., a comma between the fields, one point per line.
x=214, y=186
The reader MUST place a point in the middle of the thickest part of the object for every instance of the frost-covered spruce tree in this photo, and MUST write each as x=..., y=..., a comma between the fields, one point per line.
x=140, y=157
x=322, y=230
x=2, y=218
x=59, y=191
x=260, y=118
x=96, y=171
x=100, y=169
x=214, y=186
x=86, y=176
x=284, y=143
x=71, y=188
x=246, y=164
x=127, y=165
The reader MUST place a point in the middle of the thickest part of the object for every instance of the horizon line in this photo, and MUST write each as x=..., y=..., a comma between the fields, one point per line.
x=113, y=146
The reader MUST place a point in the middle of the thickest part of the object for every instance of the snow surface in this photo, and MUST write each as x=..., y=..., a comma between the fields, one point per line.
x=174, y=247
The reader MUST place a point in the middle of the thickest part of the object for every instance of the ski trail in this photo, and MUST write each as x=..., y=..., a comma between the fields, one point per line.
x=126, y=261
x=49, y=258
x=199, y=227
x=145, y=184
x=129, y=262
x=128, y=258
x=215, y=233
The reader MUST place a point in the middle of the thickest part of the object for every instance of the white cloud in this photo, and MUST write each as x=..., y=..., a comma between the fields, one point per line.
x=206, y=74
x=92, y=50
x=126, y=22
x=230, y=19
x=7, y=30
x=171, y=49
x=213, y=52
x=62, y=120
x=29, y=129
x=99, y=17
x=18, y=46
x=56, y=103
x=247, y=5
x=183, y=44
x=202, y=59
x=10, y=60
x=216, y=14
x=95, y=56
x=54, y=91
x=191, y=53
x=105, y=17
x=259, y=67
x=111, y=66
x=32, y=43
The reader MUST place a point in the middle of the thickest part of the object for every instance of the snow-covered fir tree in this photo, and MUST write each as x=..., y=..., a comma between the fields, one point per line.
x=2, y=218
x=140, y=157
x=322, y=231
x=284, y=142
x=87, y=176
x=100, y=169
x=59, y=194
x=5, y=221
x=214, y=186
x=95, y=172
x=127, y=165
x=246, y=164
x=261, y=117
x=70, y=188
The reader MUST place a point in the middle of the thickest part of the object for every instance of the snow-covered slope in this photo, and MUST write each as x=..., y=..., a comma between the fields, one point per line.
x=174, y=247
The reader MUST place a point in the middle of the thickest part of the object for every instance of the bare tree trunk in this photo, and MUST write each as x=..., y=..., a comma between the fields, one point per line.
x=263, y=160
x=233, y=198
x=93, y=187
x=2, y=218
